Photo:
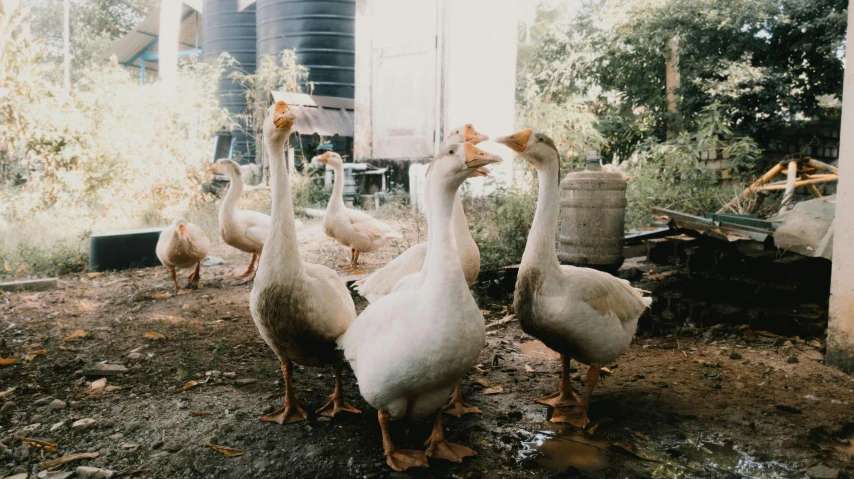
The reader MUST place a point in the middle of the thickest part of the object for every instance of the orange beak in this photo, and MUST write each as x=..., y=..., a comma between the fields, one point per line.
x=476, y=158
x=473, y=136
x=324, y=158
x=517, y=142
x=212, y=169
x=283, y=117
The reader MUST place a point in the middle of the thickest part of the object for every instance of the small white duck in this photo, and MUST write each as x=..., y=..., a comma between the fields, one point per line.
x=182, y=245
x=299, y=308
x=581, y=313
x=409, y=348
x=359, y=231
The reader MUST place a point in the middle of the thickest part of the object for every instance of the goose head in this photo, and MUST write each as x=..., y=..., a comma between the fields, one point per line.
x=330, y=158
x=280, y=119
x=465, y=134
x=180, y=224
x=459, y=161
x=536, y=148
x=226, y=167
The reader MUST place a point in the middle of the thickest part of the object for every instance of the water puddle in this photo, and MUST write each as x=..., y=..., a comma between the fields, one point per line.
x=724, y=458
x=558, y=452
x=536, y=349
x=561, y=450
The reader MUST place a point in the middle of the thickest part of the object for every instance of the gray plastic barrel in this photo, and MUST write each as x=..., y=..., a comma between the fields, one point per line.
x=323, y=34
x=229, y=26
x=593, y=209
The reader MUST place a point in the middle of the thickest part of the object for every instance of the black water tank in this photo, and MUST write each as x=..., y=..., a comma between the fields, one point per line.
x=323, y=34
x=229, y=26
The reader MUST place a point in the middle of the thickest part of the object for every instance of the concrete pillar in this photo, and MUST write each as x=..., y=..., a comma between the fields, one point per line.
x=167, y=43
x=840, y=335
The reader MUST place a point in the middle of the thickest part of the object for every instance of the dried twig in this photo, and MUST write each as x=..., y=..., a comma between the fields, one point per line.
x=69, y=458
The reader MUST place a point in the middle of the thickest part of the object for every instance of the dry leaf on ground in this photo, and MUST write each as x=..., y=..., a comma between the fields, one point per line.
x=529, y=369
x=495, y=390
x=32, y=354
x=43, y=445
x=79, y=334
x=154, y=336
x=7, y=393
x=7, y=361
x=161, y=296
x=480, y=381
x=225, y=451
x=190, y=385
x=69, y=458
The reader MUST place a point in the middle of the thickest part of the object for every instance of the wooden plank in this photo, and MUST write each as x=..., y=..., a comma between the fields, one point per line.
x=42, y=284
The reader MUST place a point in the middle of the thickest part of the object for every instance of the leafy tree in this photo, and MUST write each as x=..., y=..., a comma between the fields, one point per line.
x=95, y=25
x=768, y=63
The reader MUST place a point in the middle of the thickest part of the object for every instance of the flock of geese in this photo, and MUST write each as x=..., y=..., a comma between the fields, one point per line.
x=422, y=330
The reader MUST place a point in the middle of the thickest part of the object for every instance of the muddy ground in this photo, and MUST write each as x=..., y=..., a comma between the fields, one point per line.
x=720, y=402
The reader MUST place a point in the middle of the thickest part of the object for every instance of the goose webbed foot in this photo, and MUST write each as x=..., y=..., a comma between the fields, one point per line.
x=559, y=399
x=457, y=407
x=403, y=459
x=291, y=412
x=438, y=448
x=577, y=416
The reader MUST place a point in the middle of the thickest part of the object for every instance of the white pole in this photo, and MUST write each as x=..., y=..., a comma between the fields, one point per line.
x=66, y=40
x=167, y=43
x=840, y=334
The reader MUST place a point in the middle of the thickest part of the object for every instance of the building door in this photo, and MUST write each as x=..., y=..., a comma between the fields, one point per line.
x=404, y=91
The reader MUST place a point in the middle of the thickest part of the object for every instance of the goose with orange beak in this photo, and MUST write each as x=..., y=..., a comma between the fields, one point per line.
x=409, y=348
x=359, y=231
x=581, y=313
x=183, y=245
x=299, y=308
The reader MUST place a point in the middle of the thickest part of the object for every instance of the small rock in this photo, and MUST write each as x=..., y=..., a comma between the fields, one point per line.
x=172, y=447
x=18, y=476
x=214, y=374
x=83, y=424
x=792, y=359
x=734, y=355
x=55, y=475
x=86, y=472
x=42, y=401
x=715, y=364
x=134, y=356
x=213, y=261
x=56, y=405
x=7, y=407
x=229, y=375
x=117, y=436
x=104, y=369
x=245, y=381
x=57, y=426
x=820, y=471
x=130, y=446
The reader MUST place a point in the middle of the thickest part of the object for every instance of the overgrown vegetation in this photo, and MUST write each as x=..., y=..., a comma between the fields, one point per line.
x=110, y=154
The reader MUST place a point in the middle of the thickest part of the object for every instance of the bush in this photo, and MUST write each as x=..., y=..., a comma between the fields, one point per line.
x=112, y=154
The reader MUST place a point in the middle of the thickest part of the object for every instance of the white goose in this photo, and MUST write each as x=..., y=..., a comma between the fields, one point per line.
x=359, y=231
x=409, y=348
x=183, y=245
x=382, y=281
x=581, y=313
x=245, y=230
x=299, y=308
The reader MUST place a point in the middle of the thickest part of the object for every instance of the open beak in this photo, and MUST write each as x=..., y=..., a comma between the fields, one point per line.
x=476, y=158
x=283, y=117
x=518, y=141
x=482, y=171
x=473, y=136
x=324, y=158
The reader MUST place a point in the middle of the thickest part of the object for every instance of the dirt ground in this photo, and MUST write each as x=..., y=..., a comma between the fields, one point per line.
x=722, y=402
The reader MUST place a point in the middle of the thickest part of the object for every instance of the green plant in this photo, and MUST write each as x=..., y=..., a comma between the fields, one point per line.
x=672, y=175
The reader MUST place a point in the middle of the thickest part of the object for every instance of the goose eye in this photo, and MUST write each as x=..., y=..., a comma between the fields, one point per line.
x=450, y=152
x=539, y=139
